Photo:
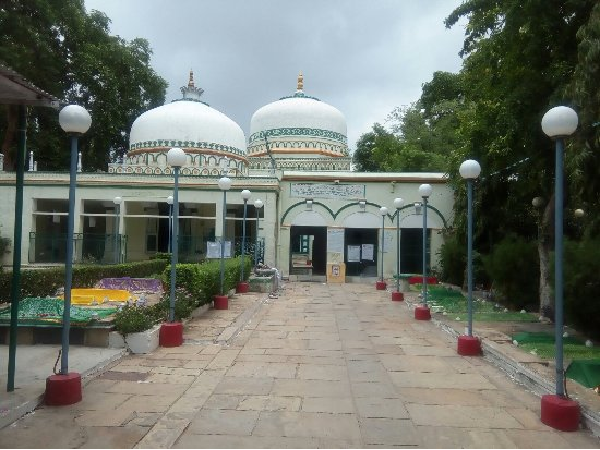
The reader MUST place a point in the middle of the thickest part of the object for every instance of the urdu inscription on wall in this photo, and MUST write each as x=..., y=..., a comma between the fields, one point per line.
x=321, y=190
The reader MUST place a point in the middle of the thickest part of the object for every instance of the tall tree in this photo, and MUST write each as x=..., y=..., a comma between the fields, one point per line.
x=519, y=58
x=70, y=54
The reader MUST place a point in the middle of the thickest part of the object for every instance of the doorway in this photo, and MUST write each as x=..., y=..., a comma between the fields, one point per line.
x=367, y=239
x=308, y=250
x=411, y=250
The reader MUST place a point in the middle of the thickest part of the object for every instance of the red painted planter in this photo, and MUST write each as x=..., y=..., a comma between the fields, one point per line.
x=170, y=334
x=397, y=296
x=422, y=313
x=242, y=287
x=221, y=302
x=560, y=413
x=63, y=389
x=469, y=346
x=380, y=285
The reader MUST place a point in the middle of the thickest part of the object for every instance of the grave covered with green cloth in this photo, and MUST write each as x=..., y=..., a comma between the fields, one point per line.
x=49, y=311
x=585, y=371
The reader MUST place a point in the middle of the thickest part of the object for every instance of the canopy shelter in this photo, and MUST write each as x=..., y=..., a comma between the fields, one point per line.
x=16, y=90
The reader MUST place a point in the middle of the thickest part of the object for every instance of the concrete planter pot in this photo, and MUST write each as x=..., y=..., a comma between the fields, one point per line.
x=143, y=341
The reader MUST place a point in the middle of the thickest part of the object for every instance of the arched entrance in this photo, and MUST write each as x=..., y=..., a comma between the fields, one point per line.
x=308, y=245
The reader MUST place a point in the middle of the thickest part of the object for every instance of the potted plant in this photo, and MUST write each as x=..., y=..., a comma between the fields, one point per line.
x=138, y=326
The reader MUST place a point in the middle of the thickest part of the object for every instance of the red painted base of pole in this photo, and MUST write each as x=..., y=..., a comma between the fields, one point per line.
x=380, y=285
x=63, y=389
x=170, y=334
x=221, y=302
x=469, y=346
x=560, y=413
x=242, y=287
x=422, y=313
x=397, y=296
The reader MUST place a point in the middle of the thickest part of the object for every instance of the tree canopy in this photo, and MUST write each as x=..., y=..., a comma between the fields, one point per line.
x=71, y=55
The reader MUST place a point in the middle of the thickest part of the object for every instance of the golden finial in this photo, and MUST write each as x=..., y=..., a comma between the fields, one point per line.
x=300, y=82
x=191, y=83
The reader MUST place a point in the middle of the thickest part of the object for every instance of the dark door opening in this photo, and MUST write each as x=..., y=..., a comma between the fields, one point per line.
x=411, y=250
x=308, y=250
x=366, y=267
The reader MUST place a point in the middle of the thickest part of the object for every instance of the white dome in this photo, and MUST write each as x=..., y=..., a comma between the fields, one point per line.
x=187, y=124
x=298, y=126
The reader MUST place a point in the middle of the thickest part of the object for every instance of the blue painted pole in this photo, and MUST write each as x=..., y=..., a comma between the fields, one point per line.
x=223, y=244
x=170, y=227
x=257, y=242
x=425, y=251
x=558, y=267
x=243, y=239
x=175, y=245
x=397, y=250
x=382, y=243
x=15, y=291
x=64, y=362
x=117, y=214
x=470, y=256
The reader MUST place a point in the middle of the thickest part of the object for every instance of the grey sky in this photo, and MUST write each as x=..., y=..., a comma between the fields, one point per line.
x=364, y=57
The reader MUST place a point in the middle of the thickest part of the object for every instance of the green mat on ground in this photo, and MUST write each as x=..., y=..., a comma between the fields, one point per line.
x=40, y=311
x=541, y=337
x=585, y=372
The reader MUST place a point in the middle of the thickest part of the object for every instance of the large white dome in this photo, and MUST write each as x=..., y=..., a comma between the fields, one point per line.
x=212, y=142
x=187, y=124
x=300, y=125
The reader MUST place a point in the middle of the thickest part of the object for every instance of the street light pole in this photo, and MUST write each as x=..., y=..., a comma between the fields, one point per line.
x=243, y=286
x=170, y=203
x=258, y=204
x=422, y=311
x=469, y=345
x=65, y=388
x=221, y=301
x=171, y=333
x=557, y=410
x=117, y=201
x=381, y=284
x=398, y=296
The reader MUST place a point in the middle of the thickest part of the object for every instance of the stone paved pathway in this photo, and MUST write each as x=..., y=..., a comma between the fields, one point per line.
x=322, y=366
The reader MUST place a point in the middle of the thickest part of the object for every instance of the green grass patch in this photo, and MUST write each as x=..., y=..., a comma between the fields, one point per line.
x=546, y=350
x=500, y=317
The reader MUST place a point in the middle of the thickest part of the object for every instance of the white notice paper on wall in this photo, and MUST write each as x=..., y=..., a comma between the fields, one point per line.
x=353, y=253
x=213, y=249
x=335, y=241
x=367, y=251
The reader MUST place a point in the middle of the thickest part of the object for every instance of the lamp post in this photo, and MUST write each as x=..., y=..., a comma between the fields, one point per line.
x=381, y=284
x=557, y=410
x=221, y=300
x=171, y=334
x=65, y=388
x=422, y=311
x=398, y=296
x=258, y=204
x=243, y=286
x=469, y=345
x=117, y=201
x=170, y=203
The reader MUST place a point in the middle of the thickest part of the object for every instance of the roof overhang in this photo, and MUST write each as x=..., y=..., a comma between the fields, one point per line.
x=16, y=90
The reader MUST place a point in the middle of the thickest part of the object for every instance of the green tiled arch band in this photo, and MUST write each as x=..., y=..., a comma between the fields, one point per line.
x=162, y=143
x=310, y=132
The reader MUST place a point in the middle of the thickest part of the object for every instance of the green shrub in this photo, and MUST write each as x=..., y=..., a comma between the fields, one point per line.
x=43, y=282
x=133, y=319
x=513, y=266
x=453, y=261
x=582, y=285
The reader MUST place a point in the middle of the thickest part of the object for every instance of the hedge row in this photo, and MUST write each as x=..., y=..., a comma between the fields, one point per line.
x=203, y=281
x=43, y=282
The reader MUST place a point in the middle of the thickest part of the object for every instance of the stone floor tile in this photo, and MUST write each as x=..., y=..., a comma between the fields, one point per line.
x=220, y=401
x=222, y=421
x=263, y=369
x=270, y=403
x=311, y=425
x=188, y=440
x=322, y=372
x=440, y=380
x=373, y=407
x=330, y=405
x=379, y=390
x=310, y=388
x=244, y=386
x=461, y=416
x=430, y=396
x=389, y=432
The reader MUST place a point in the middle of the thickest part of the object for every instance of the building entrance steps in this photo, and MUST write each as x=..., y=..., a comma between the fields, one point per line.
x=322, y=365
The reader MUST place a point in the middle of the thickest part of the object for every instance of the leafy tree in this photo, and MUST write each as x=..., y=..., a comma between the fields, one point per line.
x=70, y=54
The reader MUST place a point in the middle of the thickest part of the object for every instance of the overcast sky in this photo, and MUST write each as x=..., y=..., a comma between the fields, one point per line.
x=363, y=57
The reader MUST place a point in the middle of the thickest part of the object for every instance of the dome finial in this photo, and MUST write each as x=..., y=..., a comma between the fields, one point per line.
x=191, y=92
x=300, y=82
